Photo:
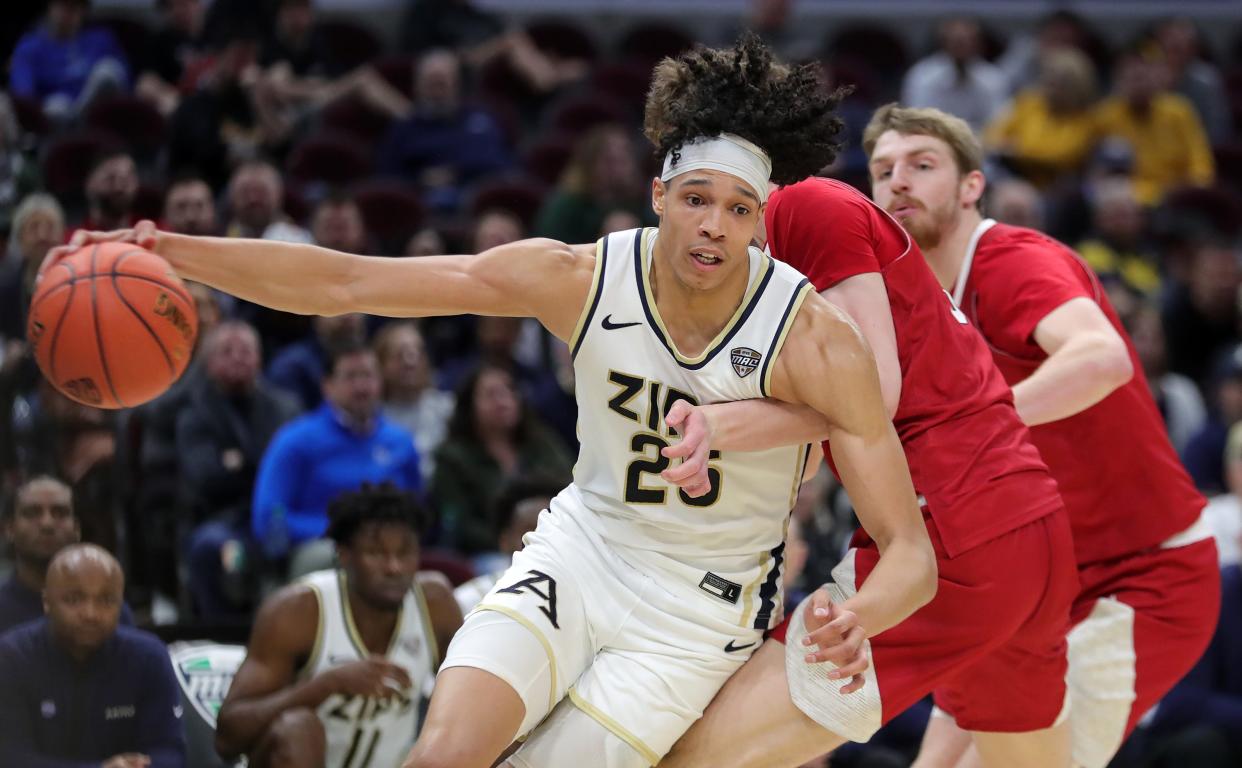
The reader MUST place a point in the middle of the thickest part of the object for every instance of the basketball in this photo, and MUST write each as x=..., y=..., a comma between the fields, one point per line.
x=112, y=326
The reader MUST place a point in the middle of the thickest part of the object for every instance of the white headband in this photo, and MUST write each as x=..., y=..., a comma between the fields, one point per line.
x=727, y=153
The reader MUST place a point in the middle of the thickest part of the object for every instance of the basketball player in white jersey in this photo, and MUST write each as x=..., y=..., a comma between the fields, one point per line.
x=336, y=661
x=632, y=603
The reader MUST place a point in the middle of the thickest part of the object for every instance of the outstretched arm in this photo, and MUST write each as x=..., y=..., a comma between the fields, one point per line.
x=537, y=278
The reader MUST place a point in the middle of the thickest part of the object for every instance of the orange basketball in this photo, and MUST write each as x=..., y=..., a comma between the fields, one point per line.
x=112, y=326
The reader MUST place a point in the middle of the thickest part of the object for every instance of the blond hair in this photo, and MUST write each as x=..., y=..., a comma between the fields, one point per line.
x=926, y=121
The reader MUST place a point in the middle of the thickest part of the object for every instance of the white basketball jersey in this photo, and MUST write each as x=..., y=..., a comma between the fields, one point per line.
x=628, y=374
x=364, y=732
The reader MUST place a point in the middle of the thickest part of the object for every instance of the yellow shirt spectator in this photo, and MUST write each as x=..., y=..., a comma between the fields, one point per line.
x=1043, y=144
x=1170, y=146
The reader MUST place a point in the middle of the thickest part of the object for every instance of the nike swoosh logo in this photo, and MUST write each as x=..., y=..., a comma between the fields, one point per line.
x=730, y=648
x=609, y=325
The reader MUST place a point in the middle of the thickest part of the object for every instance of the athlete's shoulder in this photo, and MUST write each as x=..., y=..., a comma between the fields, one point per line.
x=289, y=618
x=819, y=191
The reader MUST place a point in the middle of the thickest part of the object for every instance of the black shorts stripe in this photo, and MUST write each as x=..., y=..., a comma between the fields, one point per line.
x=770, y=588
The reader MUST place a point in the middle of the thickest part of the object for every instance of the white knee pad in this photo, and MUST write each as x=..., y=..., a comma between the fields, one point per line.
x=496, y=643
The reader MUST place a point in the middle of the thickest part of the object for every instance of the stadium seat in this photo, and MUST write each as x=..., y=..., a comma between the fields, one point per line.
x=577, y=115
x=66, y=158
x=546, y=158
x=563, y=39
x=521, y=196
x=392, y=210
x=353, y=117
x=455, y=567
x=141, y=125
x=398, y=70
x=650, y=42
x=628, y=81
x=348, y=45
x=328, y=158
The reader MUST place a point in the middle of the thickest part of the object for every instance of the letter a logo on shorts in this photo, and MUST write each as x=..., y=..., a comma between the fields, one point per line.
x=745, y=360
x=532, y=583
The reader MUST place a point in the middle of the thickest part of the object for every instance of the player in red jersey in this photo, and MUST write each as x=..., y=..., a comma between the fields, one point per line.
x=1150, y=587
x=994, y=634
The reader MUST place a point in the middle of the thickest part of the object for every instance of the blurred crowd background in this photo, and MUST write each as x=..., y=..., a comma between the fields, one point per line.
x=417, y=127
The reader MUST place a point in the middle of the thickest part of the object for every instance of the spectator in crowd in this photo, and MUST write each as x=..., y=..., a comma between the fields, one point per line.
x=75, y=442
x=1201, y=315
x=38, y=226
x=1024, y=55
x=957, y=79
x=517, y=513
x=111, y=186
x=299, y=75
x=1117, y=247
x=177, y=46
x=483, y=38
x=299, y=368
x=1048, y=130
x=1199, y=723
x=1193, y=77
x=304, y=688
x=1224, y=512
x=256, y=197
x=40, y=523
x=411, y=399
x=189, y=208
x=80, y=690
x=19, y=168
x=63, y=65
x=445, y=143
x=602, y=176
x=221, y=123
x=337, y=223
x=223, y=429
x=1170, y=146
x=337, y=447
x=1016, y=201
x=492, y=438
x=426, y=242
x=1205, y=452
x=1176, y=396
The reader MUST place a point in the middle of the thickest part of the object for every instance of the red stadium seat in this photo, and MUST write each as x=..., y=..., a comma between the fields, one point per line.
x=455, y=567
x=563, y=39
x=546, y=158
x=579, y=114
x=141, y=125
x=329, y=158
x=520, y=196
x=348, y=45
x=65, y=161
x=352, y=116
x=648, y=43
x=392, y=211
x=628, y=81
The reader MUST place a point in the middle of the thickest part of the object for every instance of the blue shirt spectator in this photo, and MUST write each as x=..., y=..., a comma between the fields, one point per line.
x=444, y=144
x=57, y=60
x=62, y=713
x=336, y=448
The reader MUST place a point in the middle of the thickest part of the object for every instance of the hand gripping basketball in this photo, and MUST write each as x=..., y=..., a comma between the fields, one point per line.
x=143, y=234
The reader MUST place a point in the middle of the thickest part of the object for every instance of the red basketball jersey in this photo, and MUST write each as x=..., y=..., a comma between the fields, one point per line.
x=970, y=456
x=1121, y=480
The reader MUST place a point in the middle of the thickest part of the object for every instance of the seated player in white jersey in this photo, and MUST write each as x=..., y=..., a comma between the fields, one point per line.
x=336, y=661
x=633, y=602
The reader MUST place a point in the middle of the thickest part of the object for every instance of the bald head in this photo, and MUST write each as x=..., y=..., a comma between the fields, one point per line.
x=82, y=598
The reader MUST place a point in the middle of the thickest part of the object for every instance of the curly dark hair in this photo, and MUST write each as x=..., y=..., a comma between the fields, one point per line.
x=788, y=111
x=370, y=503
